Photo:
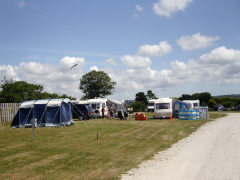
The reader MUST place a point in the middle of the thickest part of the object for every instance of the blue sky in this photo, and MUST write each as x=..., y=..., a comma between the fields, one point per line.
x=171, y=47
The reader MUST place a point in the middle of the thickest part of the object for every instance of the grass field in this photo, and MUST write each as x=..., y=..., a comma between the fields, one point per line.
x=75, y=152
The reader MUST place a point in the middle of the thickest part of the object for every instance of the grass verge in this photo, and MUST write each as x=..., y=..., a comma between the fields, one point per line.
x=76, y=153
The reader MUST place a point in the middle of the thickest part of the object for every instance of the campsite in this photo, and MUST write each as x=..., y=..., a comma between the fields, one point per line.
x=74, y=152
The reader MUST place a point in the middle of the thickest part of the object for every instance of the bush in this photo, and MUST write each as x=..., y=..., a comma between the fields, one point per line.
x=138, y=106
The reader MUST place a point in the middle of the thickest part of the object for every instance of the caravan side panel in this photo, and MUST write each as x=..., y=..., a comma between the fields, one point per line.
x=151, y=104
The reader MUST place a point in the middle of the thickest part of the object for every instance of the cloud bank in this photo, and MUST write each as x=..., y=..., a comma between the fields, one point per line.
x=219, y=66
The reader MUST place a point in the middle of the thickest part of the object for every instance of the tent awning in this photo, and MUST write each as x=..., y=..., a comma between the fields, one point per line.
x=57, y=102
x=27, y=104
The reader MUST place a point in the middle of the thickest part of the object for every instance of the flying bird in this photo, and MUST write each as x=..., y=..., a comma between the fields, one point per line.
x=74, y=66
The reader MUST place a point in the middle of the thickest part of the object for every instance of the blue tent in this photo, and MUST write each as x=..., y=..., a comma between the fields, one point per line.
x=218, y=107
x=179, y=105
x=49, y=113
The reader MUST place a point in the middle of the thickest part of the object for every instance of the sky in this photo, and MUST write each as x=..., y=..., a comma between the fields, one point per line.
x=171, y=47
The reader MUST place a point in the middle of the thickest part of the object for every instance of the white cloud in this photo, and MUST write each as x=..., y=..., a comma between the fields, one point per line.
x=136, y=62
x=139, y=8
x=34, y=68
x=111, y=61
x=221, y=56
x=135, y=16
x=94, y=68
x=58, y=79
x=67, y=62
x=7, y=71
x=155, y=50
x=167, y=7
x=22, y=4
x=196, y=41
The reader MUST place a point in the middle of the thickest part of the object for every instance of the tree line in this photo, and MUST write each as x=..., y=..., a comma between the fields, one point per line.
x=19, y=91
x=93, y=84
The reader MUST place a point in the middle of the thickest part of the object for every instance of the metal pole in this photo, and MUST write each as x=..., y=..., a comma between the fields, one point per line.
x=32, y=134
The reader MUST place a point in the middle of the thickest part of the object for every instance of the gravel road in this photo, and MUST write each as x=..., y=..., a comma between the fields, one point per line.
x=212, y=152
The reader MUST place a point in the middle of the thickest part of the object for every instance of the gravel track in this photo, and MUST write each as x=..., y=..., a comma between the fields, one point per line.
x=212, y=152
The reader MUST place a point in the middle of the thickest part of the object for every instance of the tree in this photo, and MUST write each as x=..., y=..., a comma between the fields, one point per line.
x=96, y=84
x=19, y=91
x=66, y=96
x=212, y=103
x=15, y=92
x=185, y=97
x=203, y=97
x=138, y=106
x=151, y=95
x=140, y=96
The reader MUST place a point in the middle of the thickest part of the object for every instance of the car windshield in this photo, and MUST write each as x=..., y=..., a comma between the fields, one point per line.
x=95, y=106
x=162, y=106
x=89, y=108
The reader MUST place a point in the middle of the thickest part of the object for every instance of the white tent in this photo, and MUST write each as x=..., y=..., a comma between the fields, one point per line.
x=117, y=105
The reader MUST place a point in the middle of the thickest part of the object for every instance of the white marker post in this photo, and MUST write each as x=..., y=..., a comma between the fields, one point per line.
x=34, y=124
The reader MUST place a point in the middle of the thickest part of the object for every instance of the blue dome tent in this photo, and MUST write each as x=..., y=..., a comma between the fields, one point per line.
x=49, y=113
x=218, y=107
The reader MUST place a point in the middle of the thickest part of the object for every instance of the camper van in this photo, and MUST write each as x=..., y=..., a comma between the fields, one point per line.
x=97, y=105
x=195, y=104
x=163, y=108
x=151, y=105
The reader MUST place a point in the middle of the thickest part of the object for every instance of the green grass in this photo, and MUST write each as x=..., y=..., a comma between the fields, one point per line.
x=75, y=153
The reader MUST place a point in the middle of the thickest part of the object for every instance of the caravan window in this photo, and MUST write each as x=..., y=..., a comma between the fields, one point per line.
x=150, y=104
x=162, y=106
x=103, y=105
x=95, y=106
x=195, y=104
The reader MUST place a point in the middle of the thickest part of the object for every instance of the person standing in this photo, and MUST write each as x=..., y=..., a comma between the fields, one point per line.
x=103, y=110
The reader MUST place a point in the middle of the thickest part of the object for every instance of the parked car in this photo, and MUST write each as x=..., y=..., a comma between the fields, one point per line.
x=237, y=108
x=82, y=111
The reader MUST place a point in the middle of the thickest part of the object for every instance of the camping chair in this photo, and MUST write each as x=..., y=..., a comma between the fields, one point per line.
x=131, y=110
x=120, y=115
x=126, y=115
x=111, y=114
x=131, y=114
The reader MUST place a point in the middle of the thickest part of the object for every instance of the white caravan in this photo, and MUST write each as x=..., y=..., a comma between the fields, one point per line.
x=97, y=105
x=151, y=105
x=163, y=108
x=195, y=104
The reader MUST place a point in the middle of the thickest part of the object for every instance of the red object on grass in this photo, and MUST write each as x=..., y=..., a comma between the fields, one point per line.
x=140, y=116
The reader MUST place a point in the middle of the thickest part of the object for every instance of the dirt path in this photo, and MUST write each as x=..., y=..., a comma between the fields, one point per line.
x=212, y=152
